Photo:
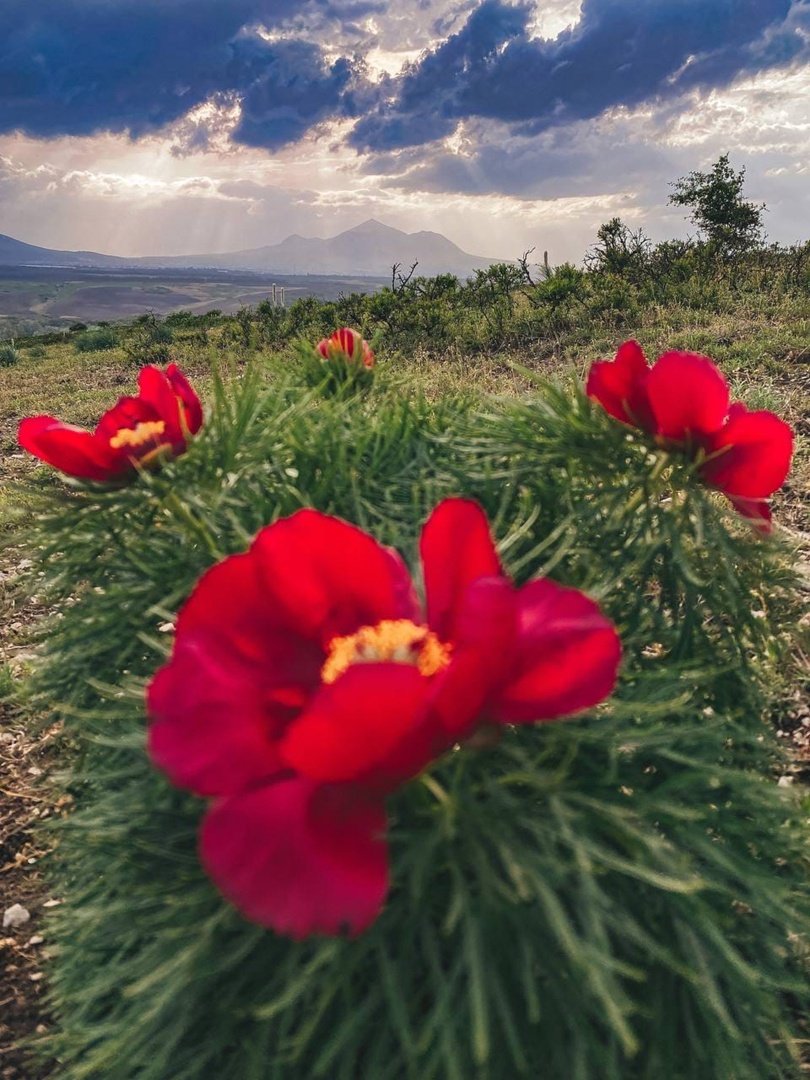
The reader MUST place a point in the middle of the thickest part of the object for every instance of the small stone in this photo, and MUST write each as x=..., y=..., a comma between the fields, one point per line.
x=52, y=903
x=15, y=916
x=37, y=939
x=36, y=976
x=785, y=781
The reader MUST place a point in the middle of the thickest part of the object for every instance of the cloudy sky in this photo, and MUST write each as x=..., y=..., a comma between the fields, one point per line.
x=178, y=126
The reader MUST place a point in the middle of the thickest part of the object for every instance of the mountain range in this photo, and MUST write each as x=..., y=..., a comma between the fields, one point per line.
x=369, y=249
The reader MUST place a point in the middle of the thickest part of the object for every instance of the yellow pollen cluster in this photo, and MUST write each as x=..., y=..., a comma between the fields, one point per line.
x=137, y=436
x=397, y=640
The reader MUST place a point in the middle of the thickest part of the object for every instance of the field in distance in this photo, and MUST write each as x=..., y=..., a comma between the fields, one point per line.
x=37, y=299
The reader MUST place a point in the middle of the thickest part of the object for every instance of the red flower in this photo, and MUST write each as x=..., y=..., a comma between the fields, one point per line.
x=306, y=684
x=347, y=345
x=137, y=431
x=683, y=402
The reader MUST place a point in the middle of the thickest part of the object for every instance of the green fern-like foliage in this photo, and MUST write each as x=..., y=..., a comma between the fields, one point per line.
x=621, y=896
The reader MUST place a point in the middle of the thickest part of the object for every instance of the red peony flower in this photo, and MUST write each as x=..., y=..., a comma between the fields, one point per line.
x=346, y=344
x=136, y=432
x=306, y=684
x=683, y=402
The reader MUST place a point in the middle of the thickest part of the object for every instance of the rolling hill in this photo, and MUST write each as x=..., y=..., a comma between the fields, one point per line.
x=16, y=253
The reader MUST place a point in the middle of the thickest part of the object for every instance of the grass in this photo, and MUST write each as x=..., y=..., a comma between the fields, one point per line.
x=763, y=348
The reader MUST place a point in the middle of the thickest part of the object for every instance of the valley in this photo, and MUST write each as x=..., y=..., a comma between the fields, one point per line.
x=35, y=299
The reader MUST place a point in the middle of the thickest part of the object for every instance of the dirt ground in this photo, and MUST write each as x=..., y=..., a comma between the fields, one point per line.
x=24, y=803
x=27, y=801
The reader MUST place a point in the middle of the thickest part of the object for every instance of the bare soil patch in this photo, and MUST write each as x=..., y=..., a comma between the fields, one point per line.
x=25, y=801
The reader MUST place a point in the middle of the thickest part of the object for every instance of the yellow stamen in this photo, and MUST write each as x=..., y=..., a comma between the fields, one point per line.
x=142, y=433
x=398, y=640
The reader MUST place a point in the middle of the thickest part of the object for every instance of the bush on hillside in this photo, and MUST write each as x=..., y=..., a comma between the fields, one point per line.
x=517, y=306
x=189, y=320
x=9, y=354
x=730, y=223
x=100, y=340
x=148, y=341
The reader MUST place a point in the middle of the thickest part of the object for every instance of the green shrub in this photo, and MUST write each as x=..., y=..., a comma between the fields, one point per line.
x=562, y=284
x=9, y=354
x=96, y=340
x=188, y=320
x=618, y=897
x=148, y=341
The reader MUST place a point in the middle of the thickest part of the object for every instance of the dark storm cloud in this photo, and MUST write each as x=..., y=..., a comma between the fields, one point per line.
x=288, y=91
x=426, y=105
x=622, y=52
x=77, y=67
x=581, y=160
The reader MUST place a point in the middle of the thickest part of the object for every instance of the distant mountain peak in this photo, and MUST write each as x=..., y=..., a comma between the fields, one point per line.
x=372, y=225
x=369, y=249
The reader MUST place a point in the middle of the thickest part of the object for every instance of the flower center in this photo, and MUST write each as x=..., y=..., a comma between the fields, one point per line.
x=142, y=433
x=397, y=640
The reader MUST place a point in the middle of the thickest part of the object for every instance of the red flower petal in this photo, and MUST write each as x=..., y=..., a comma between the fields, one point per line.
x=756, y=511
x=299, y=858
x=191, y=405
x=235, y=680
x=687, y=394
x=126, y=414
x=328, y=578
x=155, y=390
x=619, y=385
x=229, y=605
x=567, y=655
x=210, y=731
x=483, y=654
x=457, y=549
x=369, y=725
x=756, y=452
x=348, y=342
x=71, y=449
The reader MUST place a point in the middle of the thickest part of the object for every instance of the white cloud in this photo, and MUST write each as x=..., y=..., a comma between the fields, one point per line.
x=550, y=20
x=765, y=114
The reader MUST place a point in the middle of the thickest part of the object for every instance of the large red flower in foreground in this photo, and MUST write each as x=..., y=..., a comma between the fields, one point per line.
x=137, y=431
x=306, y=684
x=347, y=345
x=683, y=402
